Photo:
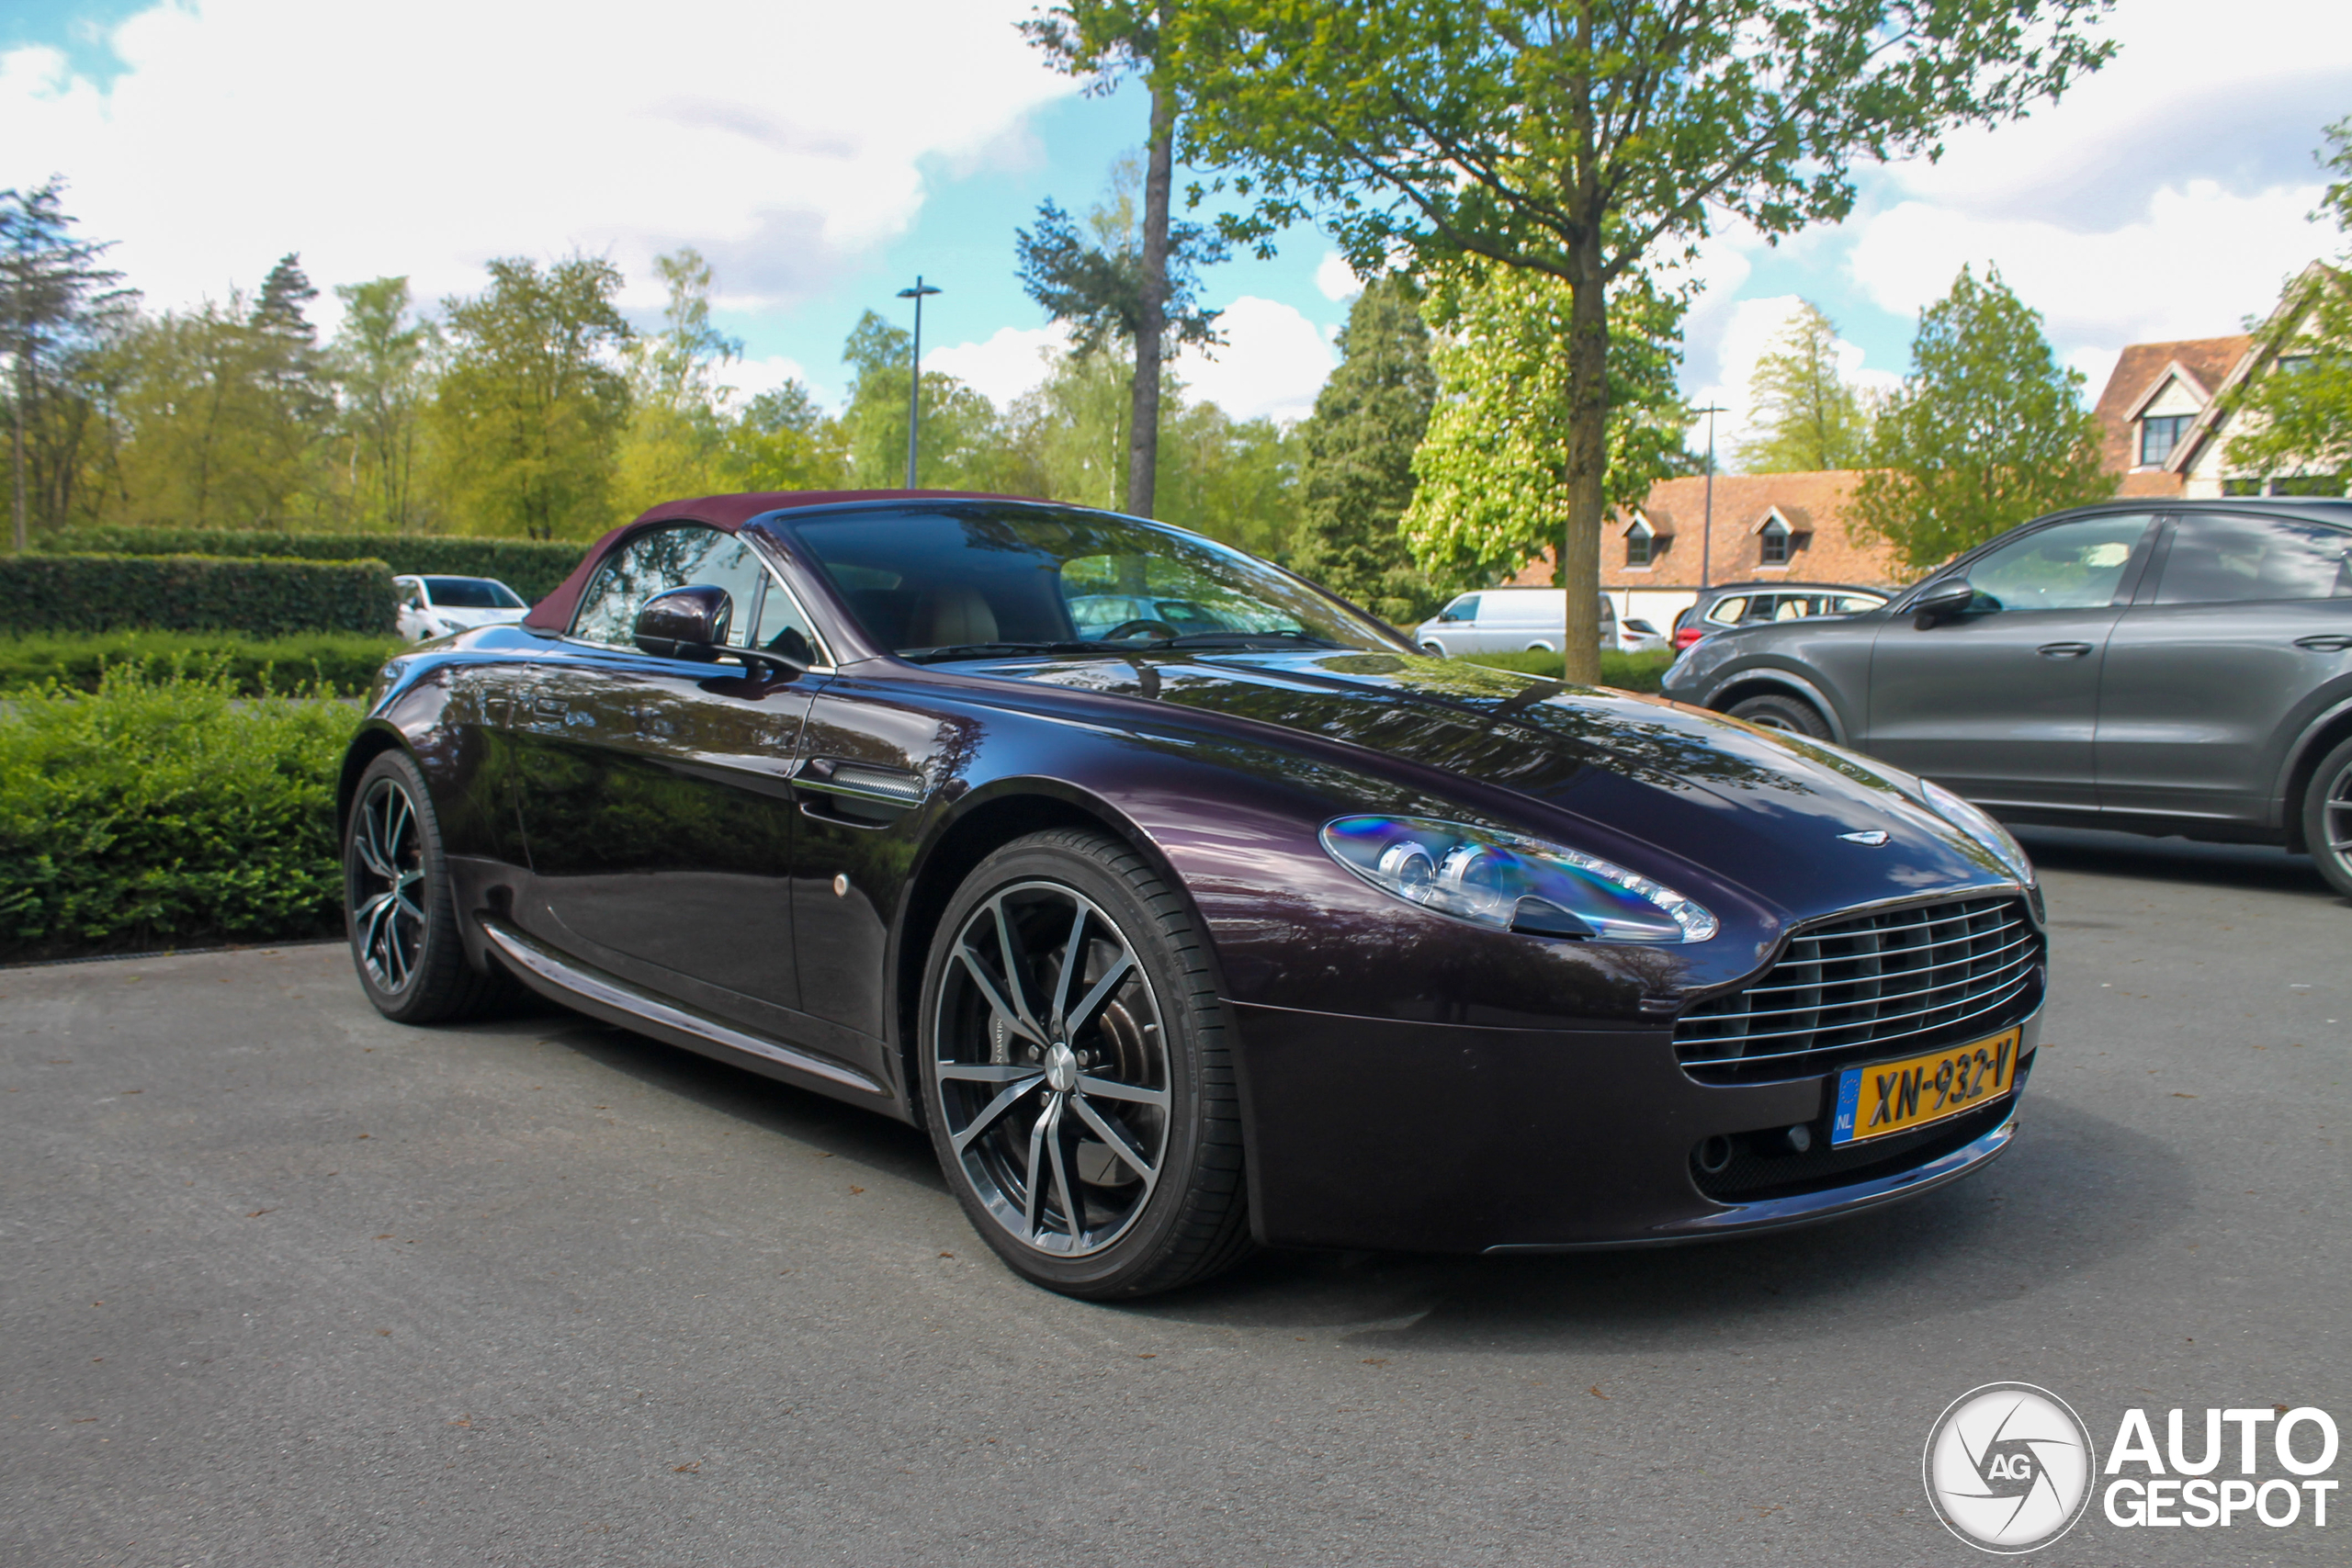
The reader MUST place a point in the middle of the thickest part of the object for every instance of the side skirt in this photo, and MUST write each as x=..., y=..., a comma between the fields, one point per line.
x=602, y=995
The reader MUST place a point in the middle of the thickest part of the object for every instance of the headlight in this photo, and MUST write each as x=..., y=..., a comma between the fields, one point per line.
x=1511, y=884
x=1981, y=827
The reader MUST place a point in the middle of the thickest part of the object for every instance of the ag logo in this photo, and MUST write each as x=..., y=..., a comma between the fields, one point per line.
x=2008, y=1467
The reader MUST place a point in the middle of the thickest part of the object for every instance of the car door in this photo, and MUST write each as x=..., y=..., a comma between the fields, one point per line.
x=2000, y=703
x=2207, y=672
x=655, y=793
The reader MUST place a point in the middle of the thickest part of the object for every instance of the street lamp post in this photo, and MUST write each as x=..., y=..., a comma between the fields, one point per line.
x=914, y=375
x=1707, y=519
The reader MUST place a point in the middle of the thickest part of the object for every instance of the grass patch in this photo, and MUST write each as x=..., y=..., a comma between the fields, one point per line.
x=1626, y=671
x=337, y=663
x=161, y=812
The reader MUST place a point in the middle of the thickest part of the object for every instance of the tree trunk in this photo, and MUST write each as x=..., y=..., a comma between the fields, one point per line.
x=1580, y=560
x=1151, y=328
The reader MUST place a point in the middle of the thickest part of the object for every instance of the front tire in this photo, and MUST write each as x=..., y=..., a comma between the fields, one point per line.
x=2327, y=818
x=1774, y=711
x=1077, y=1072
x=398, y=909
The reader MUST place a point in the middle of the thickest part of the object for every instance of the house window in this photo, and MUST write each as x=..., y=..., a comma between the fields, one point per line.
x=1638, y=543
x=2293, y=364
x=1775, y=543
x=2160, y=434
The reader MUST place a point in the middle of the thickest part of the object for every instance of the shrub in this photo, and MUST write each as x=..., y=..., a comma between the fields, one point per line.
x=1626, y=671
x=261, y=598
x=531, y=566
x=166, y=811
x=342, y=663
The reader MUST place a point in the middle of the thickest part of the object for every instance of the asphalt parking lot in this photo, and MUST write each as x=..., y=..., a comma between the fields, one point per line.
x=289, y=1284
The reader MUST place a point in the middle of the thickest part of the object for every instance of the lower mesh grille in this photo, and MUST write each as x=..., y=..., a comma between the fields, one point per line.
x=1866, y=986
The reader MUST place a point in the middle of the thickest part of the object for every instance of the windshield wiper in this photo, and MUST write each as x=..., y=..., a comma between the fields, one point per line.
x=992, y=650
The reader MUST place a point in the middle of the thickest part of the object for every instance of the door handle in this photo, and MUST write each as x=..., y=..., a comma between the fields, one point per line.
x=551, y=706
x=2064, y=650
x=2325, y=642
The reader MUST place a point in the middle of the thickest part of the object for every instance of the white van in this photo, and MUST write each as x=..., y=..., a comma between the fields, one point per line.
x=1507, y=620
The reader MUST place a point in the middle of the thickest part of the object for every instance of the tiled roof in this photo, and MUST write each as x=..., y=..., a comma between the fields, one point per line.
x=2209, y=359
x=1823, y=551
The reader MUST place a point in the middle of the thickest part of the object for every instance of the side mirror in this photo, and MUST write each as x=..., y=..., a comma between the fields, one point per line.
x=1941, y=603
x=685, y=623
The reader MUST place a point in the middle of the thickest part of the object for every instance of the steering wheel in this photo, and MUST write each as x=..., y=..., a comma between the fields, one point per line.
x=1129, y=629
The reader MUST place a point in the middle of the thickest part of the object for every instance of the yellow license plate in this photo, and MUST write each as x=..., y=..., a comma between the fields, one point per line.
x=1894, y=1096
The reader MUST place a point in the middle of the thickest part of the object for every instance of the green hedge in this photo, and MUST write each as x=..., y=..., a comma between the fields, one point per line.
x=166, y=812
x=1626, y=671
x=342, y=663
x=531, y=566
x=260, y=598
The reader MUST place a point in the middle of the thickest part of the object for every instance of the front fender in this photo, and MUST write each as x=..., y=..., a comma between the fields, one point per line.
x=1750, y=680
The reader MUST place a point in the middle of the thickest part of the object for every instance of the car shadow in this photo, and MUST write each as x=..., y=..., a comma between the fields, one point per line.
x=2102, y=854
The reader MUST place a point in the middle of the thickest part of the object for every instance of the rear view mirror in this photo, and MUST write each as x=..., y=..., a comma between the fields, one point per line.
x=685, y=623
x=1942, y=602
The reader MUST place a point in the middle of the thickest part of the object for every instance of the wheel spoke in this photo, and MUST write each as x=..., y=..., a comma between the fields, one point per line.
x=989, y=1072
x=1076, y=1018
x=1111, y=1088
x=1118, y=1141
x=369, y=840
x=396, y=827
x=1073, y=955
x=1016, y=968
x=1036, y=1184
x=995, y=1108
x=1017, y=1023
x=1061, y=1173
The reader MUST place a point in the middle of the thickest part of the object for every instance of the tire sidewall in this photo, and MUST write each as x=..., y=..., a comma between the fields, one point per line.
x=2331, y=865
x=1803, y=719
x=1055, y=858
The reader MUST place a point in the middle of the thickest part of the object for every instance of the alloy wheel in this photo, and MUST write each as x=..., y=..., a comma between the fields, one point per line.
x=1052, y=1070
x=386, y=870
x=2335, y=817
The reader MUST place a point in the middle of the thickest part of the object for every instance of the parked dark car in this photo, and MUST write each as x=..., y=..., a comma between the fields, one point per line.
x=1729, y=605
x=1176, y=940
x=2181, y=667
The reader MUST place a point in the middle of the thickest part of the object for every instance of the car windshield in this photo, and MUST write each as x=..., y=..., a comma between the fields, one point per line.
x=471, y=593
x=971, y=581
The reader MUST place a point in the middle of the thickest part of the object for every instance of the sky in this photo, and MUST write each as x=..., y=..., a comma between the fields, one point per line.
x=822, y=156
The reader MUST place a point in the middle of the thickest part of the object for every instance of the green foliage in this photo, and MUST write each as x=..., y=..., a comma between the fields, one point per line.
x=783, y=441
x=380, y=359
x=61, y=307
x=532, y=568
x=335, y=663
x=1356, y=471
x=528, y=409
x=2295, y=420
x=1498, y=473
x=675, y=431
x=1987, y=431
x=956, y=420
x=1626, y=671
x=1805, y=417
x=1095, y=281
x=259, y=597
x=169, y=810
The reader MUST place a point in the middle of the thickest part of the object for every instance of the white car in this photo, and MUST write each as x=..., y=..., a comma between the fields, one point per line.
x=1507, y=620
x=436, y=606
x=1638, y=635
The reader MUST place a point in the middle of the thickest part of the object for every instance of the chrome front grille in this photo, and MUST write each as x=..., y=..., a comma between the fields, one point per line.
x=1863, y=987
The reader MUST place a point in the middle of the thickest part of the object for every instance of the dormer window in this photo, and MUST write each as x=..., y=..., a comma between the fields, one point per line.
x=2159, y=434
x=1773, y=542
x=1640, y=543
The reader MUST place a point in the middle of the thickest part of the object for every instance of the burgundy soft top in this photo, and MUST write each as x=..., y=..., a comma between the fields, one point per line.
x=727, y=513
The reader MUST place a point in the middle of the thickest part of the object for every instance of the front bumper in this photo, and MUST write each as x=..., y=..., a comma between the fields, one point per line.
x=1368, y=1133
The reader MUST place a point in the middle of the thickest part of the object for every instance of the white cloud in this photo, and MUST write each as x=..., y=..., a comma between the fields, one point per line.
x=1748, y=328
x=749, y=378
x=1336, y=278
x=782, y=136
x=1274, y=362
x=1014, y=361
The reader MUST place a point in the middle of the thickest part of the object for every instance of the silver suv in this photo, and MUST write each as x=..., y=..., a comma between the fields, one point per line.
x=2177, y=667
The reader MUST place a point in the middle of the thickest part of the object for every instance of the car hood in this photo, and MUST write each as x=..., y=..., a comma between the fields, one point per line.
x=1764, y=810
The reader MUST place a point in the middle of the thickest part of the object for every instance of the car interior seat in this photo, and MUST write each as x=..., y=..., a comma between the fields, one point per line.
x=952, y=614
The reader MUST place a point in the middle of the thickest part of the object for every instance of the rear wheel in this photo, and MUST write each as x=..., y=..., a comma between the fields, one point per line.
x=2327, y=818
x=1775, y=712
x=1077, y=1072
x=398, y=909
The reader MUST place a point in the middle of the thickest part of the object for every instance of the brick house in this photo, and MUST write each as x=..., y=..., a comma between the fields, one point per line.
x=2167, y=413
x=1767, y=528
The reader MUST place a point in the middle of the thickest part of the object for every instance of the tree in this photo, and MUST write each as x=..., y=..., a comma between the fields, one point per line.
x=1498, y=469
x=784, y=441
x=529, y=408
x=676, y=425
x=1805, y=417
x=1356, y=471
x=958, y=422
x=1134, y=286
x=378, y=355
x=60, y=306
x=1987, y=430
x=2297, y=420
x=1582, y=142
